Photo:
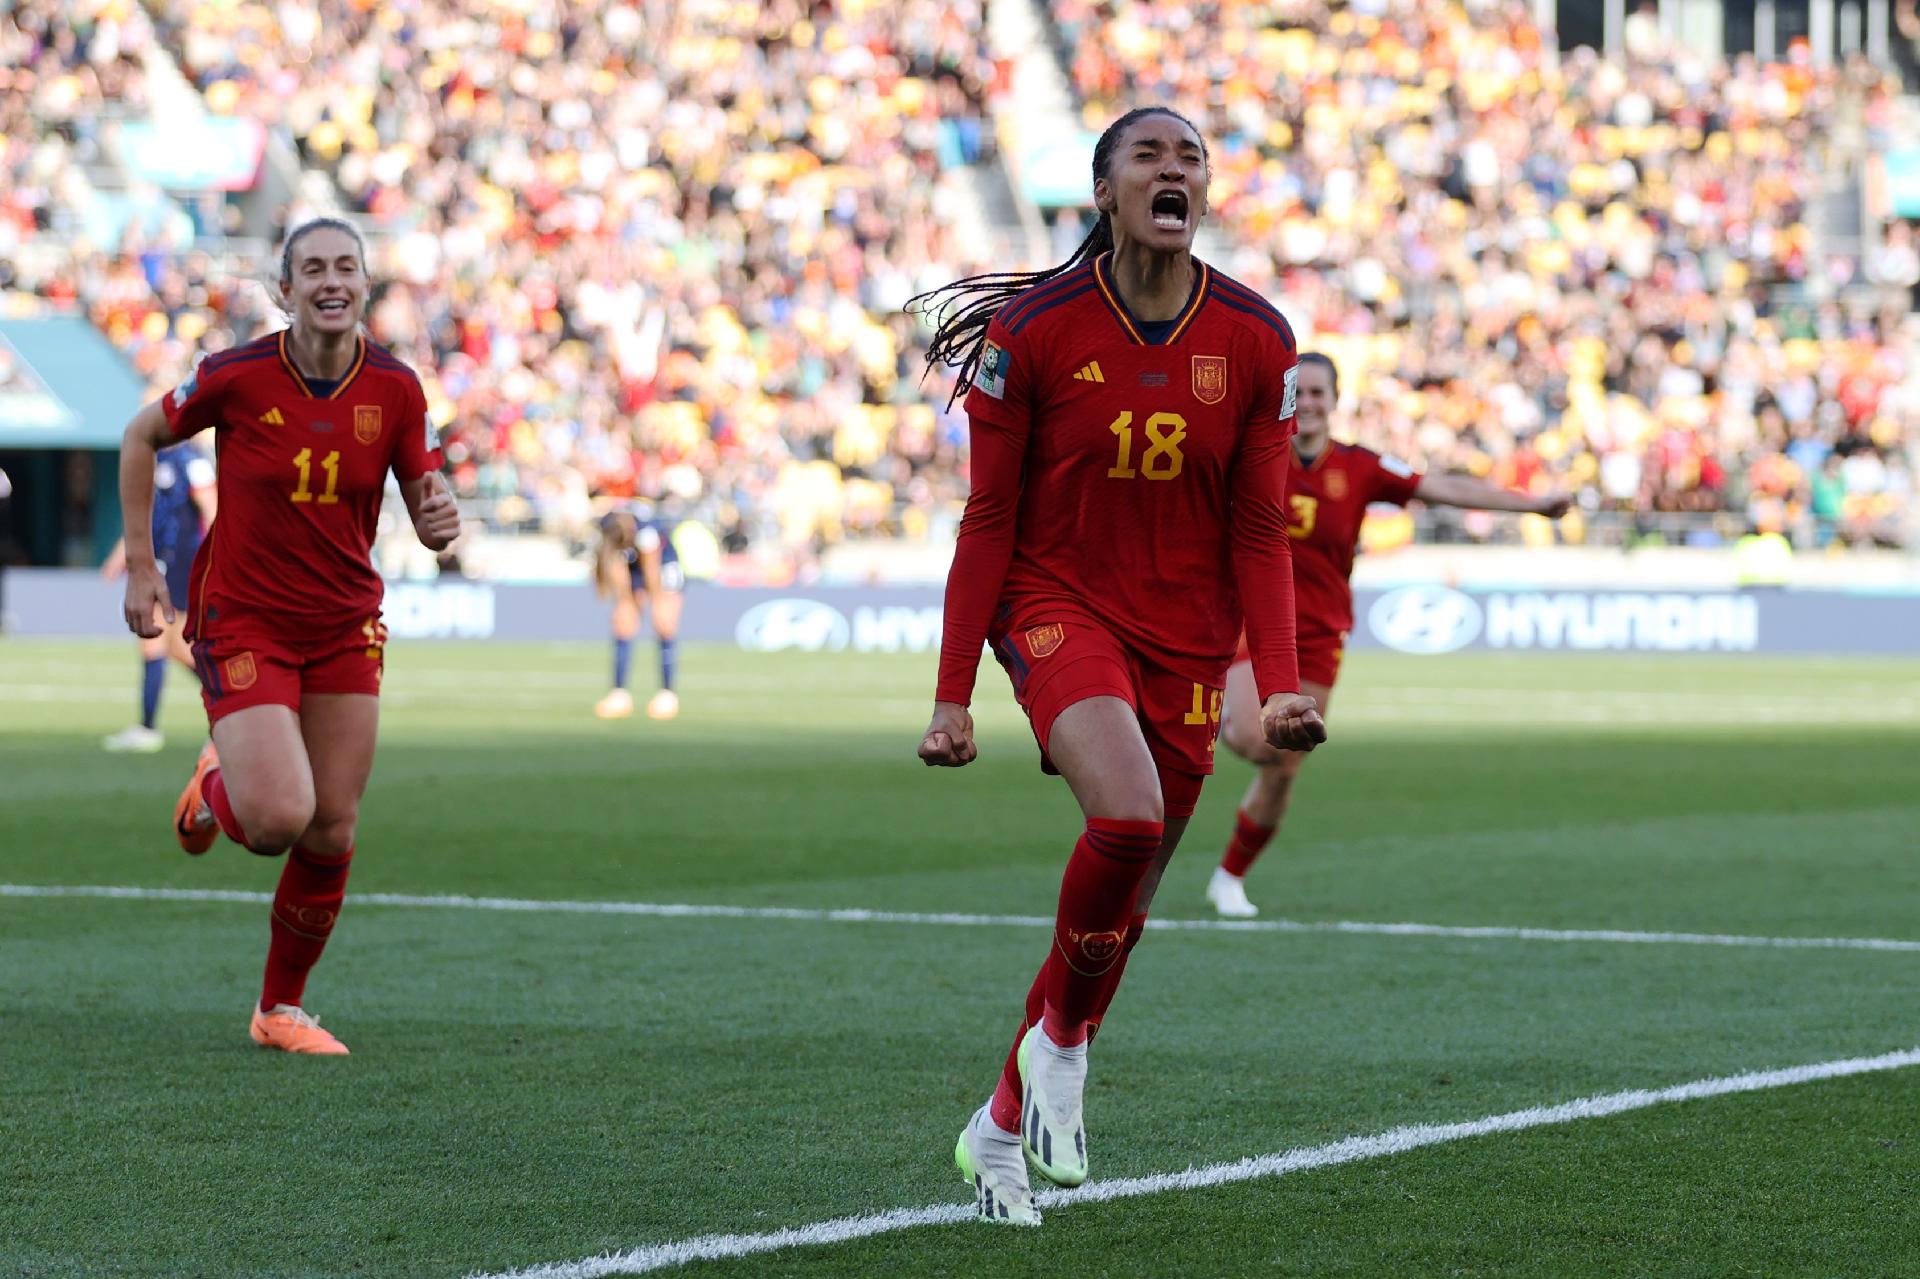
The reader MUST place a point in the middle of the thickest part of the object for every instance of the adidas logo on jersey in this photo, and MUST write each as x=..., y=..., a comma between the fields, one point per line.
x=272, y=418
x=1090, y=373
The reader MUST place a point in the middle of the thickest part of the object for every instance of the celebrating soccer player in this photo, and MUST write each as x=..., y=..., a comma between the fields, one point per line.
x=1328, y=490
x=1129, y=412
x=283, y=610
x=638, y=569
x=184, y=502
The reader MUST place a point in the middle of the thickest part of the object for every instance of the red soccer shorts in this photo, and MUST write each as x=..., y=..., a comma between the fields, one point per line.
x=1056, y=657
x=254, y=666
x=1320, y=654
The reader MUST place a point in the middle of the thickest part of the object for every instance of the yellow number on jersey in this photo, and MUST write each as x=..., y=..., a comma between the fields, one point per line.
x=330, y=464
x=1163, y=459
x=1306, y=510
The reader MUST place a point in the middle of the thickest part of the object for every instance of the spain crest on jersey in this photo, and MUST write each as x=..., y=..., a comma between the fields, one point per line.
x=1337, y=485
x=1209, y=378
x=366, y=423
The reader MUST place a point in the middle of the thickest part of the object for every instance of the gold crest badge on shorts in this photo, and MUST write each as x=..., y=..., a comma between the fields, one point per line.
x=241, y=672
x=1043, y=640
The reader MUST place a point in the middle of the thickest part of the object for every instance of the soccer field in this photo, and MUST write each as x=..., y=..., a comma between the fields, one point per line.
x=547, y=1069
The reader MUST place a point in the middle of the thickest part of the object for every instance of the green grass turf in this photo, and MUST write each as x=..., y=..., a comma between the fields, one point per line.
x=540, y=1087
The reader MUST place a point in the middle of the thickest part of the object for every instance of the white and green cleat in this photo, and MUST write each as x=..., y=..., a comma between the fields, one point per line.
x=1053, y=1129
x=990, y=1159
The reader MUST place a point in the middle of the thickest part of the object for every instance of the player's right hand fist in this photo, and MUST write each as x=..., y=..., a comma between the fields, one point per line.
x=146, y=591
x=1291, y=722
x=949, y=739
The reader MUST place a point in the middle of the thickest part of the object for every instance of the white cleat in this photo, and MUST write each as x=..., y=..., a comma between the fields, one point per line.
x=1228, y=893
x=990, y=1159
x=135, y=739
x=615, y=705
x=665, y=704
x=1053, y=1129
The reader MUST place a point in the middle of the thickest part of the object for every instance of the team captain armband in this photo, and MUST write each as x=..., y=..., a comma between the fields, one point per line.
x=995, y=364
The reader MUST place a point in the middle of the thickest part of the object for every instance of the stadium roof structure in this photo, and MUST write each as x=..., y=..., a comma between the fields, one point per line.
x=63, y=385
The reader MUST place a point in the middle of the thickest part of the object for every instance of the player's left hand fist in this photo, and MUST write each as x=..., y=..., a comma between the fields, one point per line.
x=1291, y=722
x=949, y=739
x=1553, y=505
x=438, y=521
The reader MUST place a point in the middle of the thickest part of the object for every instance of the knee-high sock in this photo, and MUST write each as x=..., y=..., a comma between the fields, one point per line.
x=305, y=907
x=622, y=659
x=213, y=789
x=669, y=662
x=1005, y=1108
x=1135, y=927
x=151, y=678
x=1244, y=848
x=1090, y=929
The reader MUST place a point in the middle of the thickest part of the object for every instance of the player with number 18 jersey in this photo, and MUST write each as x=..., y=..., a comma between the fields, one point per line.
x=1143, y=466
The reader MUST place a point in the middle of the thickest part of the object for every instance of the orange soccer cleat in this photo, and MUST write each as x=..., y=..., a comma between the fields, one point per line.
x=292, y=1029
x=193, y=822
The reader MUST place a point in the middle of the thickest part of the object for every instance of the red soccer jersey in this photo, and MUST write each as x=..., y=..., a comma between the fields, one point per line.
x=1326, y=503
x=1141, y=481
x=301, y=477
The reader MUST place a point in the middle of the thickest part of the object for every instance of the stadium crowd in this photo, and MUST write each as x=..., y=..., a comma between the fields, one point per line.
x=1573, y=272
x=660, y=248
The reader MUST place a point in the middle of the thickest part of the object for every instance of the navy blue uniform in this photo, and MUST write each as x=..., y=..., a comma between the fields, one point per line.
x=651, y=534
x=178, y=470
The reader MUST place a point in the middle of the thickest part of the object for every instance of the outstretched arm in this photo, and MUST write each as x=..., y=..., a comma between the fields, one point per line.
x=1464, y=490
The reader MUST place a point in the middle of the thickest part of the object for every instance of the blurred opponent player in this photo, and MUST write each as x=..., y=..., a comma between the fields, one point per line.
x=183, y=507
x=638, y=569
x=1129, y=414
x=283, y=612
x=1328, y=490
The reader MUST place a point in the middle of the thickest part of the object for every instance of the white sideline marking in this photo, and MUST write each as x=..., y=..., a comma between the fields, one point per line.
x=672, y=910
x=1351, y=1150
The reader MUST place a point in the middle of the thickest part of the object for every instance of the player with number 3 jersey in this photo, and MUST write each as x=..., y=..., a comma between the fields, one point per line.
x=1129, y=413
x=1328, y=492
x=283, y=608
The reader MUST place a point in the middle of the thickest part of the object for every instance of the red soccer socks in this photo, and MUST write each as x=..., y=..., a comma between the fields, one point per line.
x=304, y=909
x=1245, y=846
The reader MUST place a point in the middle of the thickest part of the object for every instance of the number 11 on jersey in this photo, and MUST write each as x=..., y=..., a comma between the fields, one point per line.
x=303, y=460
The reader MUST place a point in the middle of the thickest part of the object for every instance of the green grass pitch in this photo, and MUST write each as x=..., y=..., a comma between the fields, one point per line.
x=534, y=1087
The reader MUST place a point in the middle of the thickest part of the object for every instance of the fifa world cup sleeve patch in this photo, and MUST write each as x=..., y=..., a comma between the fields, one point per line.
x=1288, y=388
x=184, y=392
x=995, y=363
x=1394, y=466
x=432, y=436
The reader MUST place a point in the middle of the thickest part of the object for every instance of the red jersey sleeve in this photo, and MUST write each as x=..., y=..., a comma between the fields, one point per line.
x=194, y=405
x=416, y=452
x=1262, y=557
x=999, y=418
x=1392, y=481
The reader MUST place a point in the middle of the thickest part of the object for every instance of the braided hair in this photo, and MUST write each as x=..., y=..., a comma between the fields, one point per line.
x=961, y=311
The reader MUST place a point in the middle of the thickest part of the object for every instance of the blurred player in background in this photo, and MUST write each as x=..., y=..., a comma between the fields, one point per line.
x=1328, y=491
x=639, y=570
x=183, y=505
x=283, y=611
x=1129, y=414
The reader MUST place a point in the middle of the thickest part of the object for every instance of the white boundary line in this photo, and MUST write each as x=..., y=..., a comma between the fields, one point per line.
x=671, y=910
x=1353, y=1149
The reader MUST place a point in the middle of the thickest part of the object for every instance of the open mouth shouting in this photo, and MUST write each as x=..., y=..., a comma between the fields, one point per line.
x=333, y=306
x=1170, y=210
